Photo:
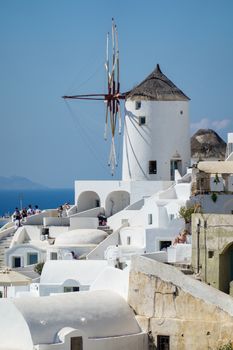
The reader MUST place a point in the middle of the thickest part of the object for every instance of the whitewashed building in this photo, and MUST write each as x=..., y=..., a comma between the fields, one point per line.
x=87, y=320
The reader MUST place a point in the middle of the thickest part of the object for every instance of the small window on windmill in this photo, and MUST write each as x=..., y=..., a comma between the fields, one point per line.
x=152, y=167
x=142, y=120
x=128, y=240
x=150, y=219
x=138, y=104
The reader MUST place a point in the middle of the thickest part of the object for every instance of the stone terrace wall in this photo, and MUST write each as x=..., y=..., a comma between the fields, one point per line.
x=167, y=302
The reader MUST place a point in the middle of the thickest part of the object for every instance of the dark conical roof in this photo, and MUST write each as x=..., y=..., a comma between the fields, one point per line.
x=157, y=87
x=206, y=143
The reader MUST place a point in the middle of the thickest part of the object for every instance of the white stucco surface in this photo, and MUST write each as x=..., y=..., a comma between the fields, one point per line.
x=84, y=271
x=80, y=236
x=97, y=314
x=112, y=279
x=15, y=333
x=156, y=139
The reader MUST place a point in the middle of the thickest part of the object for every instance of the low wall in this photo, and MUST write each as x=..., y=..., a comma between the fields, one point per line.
x=56, y=221
x=190, y=313
x=83, y=222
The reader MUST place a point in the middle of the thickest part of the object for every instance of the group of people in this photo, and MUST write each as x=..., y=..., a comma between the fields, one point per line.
x=21, y=215
x=62, y=209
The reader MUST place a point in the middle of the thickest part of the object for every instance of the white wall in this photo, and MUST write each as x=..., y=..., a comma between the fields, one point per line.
x=135, y=234
x=83, y=222
x=98, y=252
x=22, y=251
x=14, y=331
x=165, y=133
x=56, y=221
x=130, y=342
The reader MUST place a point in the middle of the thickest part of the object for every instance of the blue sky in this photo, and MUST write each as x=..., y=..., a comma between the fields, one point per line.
x=54, y=47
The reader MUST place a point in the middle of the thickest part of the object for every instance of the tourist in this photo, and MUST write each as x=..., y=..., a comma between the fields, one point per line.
x=24, y=214
x=17, y=217
x=102, y=220
x=182, y=237
x=30, y=211
x=60, y=211
x=74, y=256
x=37, y=210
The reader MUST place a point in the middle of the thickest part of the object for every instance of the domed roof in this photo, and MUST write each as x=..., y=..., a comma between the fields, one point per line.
x=157, y=87
x=206, y=143
x=80, y=237
x=96, y=313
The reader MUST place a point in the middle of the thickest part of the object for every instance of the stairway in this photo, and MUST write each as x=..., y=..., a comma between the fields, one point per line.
x=4, y=245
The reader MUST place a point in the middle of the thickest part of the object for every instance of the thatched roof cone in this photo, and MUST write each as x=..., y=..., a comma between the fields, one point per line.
x=157, y=87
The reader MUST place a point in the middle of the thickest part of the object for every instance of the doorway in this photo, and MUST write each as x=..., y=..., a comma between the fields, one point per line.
x=76, y=343
x=226, y=269
x=16, y=261
x=175, y=164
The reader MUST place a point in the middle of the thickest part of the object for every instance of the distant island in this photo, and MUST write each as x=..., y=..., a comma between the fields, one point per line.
x=19, y=183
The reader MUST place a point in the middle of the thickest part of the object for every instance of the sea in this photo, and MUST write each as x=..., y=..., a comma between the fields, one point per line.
x=45, y=199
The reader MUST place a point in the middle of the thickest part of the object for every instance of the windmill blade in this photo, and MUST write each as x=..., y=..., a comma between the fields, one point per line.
x=106, y=121
x=107, y=59
x=112, y=97
x=119, y=117
x=117, y=62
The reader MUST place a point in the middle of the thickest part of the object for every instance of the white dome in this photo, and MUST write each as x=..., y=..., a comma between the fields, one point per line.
x=80, y=237
x=97, y=313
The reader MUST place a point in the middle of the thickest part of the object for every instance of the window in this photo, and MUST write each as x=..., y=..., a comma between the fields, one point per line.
x=32, y=258
x=53, y=256
x=138, y=104
x=150, y=219
x=152, y=167
x=172, y=217
x=97, y=203
x=163, y=342
x=71, y=289
x=128, y=240
x=164, y=244
x=76, y=343
x=142, y=120
x=210, y=254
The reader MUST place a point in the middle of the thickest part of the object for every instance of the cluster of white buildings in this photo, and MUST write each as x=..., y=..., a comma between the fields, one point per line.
x=81, y=256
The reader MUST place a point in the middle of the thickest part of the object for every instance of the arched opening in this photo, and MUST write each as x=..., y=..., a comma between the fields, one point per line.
x=226, y=268
x=116, y=201
x=88, y=200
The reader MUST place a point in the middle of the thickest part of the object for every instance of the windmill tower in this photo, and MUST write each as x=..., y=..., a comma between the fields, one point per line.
x=156, y=130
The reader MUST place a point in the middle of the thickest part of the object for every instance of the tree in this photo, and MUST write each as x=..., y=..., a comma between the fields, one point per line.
x=186, y=212
x=39, y=267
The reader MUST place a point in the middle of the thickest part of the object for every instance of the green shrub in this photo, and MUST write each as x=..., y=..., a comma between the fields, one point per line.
x=214, y=197
x=186, y=213
x=39, y=267
x=227, y=346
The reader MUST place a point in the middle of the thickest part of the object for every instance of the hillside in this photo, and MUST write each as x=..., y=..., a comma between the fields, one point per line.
x=19, y=183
